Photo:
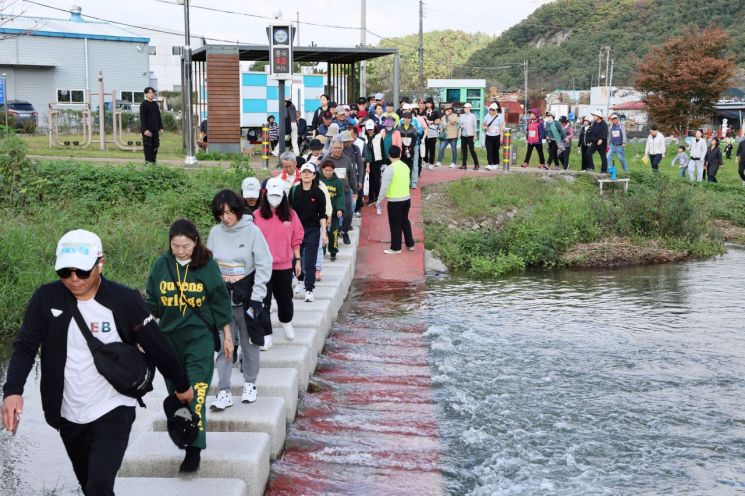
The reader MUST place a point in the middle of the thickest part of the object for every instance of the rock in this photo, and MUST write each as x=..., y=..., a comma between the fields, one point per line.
x=432, y=264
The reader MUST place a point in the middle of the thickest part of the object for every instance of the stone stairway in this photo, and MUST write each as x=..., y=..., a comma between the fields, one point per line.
x=243, y=439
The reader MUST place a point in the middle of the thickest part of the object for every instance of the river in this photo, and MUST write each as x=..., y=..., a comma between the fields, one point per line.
x=618, y=382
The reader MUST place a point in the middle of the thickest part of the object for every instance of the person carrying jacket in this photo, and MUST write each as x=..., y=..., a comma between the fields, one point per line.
x=598, y=142
x=535, y=133
x=186, y=293
x=93, y=419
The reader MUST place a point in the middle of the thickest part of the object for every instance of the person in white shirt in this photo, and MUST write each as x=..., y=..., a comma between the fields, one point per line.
x=493, y=126
x=467, y=135
x=698, y=154
x=655, y=148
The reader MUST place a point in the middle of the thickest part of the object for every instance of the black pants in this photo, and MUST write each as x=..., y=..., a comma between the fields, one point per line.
x=466, y=142
x=712, y=174
x=360, y=199
x=429, y=152
x=741, y=169
x=600, y=149
x=565, y=157
x=309, y=255
x=280, y=286
x=553, y=153
x=375, y=176
x=655, y=160
x=96, y=449
x=492, y=149
x=537, y=147
x=150, y=145
x=398, y=220
x=586, y=164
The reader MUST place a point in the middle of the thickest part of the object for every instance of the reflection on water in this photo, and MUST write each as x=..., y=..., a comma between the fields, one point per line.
x=603, y=382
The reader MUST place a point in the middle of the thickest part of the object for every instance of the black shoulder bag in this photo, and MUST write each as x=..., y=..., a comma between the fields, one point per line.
x=123, y=365
x=210, y=325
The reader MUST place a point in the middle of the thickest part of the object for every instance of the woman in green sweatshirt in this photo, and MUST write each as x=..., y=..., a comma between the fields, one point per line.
x=186, y=292
x=335, y=187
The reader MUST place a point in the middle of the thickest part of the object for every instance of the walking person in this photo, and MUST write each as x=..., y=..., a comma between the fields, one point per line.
x=468, y=128
x=568, y=128
x=245, y=262
x=555, y=137
x=291, y=125
x=186, y=293
x=493, y=126
x=93, y=419
x=309, y=202
x=151, y=125
x=617, y=142
x=283, y=232
x=375, y=157
x=251, y=191
x=655, y=147
x=396, y=188
x=713, y=160
x=535, y=133
x=584, y=142
x=335, y=188
x=432, y=123
x=682, y=160
x=342, y=163
x=273, y=134
x=316, y=121
x=598, y=142
x=740, y=159
x=698, y=155
x=449, y=135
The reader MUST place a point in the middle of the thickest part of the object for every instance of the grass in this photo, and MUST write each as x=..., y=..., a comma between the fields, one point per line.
x=38, y=144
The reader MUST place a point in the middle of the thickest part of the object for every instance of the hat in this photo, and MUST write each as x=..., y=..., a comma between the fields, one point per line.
x=361, y=100
x=586, y=118
x=275, y=186
x=379, y=96
x=407, y=106
x=182, y=422
x=340, y=109
x=389, y=104
x=250, y=187
x=332, y=131
x=328, y=115
x=315, y=145
x=493, y=106
x=347, y=135
x=308, y=167
x=596, y=114
x=563, y=119
x=369, y=124
x=614, y=116
x=535, y=112
x=467, y=105
x=78, y=249
x=406, y=115
x=548, y=112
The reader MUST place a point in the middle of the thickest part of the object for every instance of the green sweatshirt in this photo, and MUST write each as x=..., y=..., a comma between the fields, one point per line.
x=336, y=191
x=202, y=288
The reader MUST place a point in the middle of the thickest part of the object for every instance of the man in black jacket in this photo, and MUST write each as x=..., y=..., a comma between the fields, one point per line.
x=93, y=419
x=598, y=142
x=150, y=125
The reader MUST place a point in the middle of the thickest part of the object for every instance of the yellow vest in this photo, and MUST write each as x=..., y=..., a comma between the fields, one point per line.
x=399, y=187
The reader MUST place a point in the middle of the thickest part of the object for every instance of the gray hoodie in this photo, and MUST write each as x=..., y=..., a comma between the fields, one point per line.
x=240, y=250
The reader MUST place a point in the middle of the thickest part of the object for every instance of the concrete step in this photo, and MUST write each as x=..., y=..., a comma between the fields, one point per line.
x=286, y=356
x=307, y=318
x=183, y=486
x=229, y=455
x=266, y=414
x=312, y=339
x=271, y=382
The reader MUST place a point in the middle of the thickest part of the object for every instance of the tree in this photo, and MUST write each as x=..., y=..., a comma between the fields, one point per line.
x=683, y=78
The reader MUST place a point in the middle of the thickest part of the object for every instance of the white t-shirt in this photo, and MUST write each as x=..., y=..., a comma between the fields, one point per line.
x=494, y=124
x=87, y=394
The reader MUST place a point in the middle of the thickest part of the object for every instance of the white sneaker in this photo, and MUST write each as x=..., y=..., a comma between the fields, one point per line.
x=249, y=393
x=489, y=167
x=267, y=343
x=438, y=164
x=309, y=296
x=289, y=331
x=223, y=401
x=388, y=251
x=453, y=166
x=378, y=209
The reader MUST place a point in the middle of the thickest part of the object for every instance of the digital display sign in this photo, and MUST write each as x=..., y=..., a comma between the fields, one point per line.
x=281, y=63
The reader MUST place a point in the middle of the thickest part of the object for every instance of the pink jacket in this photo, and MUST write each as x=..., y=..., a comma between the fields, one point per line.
x=282, y=238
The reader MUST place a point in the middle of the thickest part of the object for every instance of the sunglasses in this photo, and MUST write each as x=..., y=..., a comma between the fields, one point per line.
x=81, y=274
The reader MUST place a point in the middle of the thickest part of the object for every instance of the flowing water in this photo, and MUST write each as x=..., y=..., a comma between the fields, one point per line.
x=622, y=382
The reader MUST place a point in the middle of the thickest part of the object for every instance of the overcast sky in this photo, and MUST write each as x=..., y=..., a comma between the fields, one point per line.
x=385, y=18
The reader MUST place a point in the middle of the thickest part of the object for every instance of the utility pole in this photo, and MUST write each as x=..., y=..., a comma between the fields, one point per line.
x=186, y=90
x=421, y=46
x=610, y=85
x=297, y=29
x=525, y=70
x=363, y=42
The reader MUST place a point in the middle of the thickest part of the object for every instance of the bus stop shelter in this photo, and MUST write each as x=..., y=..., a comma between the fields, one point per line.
x=216, y=72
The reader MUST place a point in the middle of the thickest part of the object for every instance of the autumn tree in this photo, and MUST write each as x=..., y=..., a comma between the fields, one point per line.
x=683, y=78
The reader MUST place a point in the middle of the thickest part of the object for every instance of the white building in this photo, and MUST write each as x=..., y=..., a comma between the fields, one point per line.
x=49, y=60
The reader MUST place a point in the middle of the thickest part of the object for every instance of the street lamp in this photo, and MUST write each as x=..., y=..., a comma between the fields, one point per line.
x=190, y=158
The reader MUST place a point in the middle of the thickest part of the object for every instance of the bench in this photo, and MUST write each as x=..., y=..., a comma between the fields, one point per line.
x=625, y=183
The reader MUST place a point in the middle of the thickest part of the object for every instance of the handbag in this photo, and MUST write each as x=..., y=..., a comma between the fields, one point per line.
x=210, y=325
x=123, y=365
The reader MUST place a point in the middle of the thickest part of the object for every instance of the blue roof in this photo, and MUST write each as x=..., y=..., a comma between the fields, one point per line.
x=75, y=27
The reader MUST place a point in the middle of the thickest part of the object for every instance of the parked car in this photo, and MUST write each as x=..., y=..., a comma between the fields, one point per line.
x=22, y=112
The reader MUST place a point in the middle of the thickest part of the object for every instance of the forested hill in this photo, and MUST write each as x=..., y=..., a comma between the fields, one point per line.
x=562, y=39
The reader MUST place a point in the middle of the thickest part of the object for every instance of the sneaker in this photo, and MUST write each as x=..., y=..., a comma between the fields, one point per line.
x=411, y=248
x=318, y=275
x=453, y=166
x=378, y=209
x=413, y=186
x=191, y=460
x=430, y=167
x=224, y=400
x=345, y=238
x=358, y=214
x=309, y=296
x=438, y=164
x=289, y=330
x=388, y=251
x=543, y=166
x=249, y=393
x=332, y=258
x=267, y=343
x=489, y=167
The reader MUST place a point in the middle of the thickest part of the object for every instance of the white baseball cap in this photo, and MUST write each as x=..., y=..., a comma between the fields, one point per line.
x=494, y=106
x=467, y=105
x=78, y=249
x=370, y=124
x=275, y=187
x=250, y=187
x=379, y=96
x=307, y=167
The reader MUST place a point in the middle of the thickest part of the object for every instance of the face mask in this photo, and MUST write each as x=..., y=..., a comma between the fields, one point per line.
x=274, y=200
